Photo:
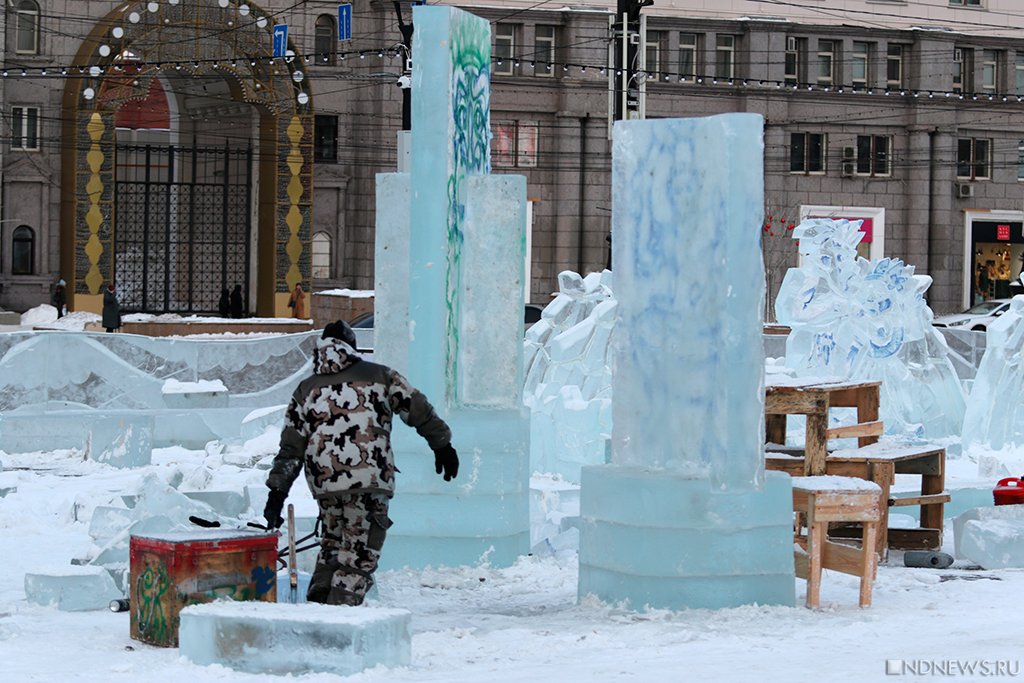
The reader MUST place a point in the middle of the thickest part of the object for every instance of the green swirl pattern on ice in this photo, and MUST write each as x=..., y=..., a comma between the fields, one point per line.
x=470, y=48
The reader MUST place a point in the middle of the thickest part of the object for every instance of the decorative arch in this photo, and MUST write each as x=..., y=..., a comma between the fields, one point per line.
x=117, y=63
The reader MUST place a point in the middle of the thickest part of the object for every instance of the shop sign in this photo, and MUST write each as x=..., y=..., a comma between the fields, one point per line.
x=1003, y=232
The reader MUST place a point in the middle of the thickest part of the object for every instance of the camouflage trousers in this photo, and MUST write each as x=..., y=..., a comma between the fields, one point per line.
x=353, y=527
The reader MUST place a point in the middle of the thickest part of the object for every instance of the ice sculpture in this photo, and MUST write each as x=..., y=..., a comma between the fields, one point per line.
x=56, y=386
x=993, y=419
x=868, y=320
x=685, y=515
x=448, y=273
x=568, y=376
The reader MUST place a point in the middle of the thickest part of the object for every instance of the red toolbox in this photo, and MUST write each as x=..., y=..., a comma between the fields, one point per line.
x=1009, y=491
x=169, y=571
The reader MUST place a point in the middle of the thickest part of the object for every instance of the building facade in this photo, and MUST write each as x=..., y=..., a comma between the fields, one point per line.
x=907, y=115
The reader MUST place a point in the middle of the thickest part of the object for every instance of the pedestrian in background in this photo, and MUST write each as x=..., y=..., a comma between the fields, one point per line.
x=297, y=302
x=111, y=309
x=236, y=302
x=60, y=298
x=224, y=305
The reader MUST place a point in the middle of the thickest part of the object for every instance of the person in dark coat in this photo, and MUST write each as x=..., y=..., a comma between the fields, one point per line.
x=111, y=309
x=337, y=428
x=224, y=305
x=60, y=298
x=236, y=302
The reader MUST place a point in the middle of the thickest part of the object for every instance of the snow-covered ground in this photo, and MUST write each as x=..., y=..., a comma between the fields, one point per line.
x=522, y=623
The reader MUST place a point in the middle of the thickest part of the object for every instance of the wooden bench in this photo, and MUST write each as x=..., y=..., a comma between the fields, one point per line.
x=823, y=500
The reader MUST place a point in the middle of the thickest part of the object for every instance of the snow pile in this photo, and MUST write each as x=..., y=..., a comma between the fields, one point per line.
x=45, y=315
x=568, y=376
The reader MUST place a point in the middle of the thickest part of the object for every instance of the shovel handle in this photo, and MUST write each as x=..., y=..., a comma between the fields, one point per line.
x=293, y=573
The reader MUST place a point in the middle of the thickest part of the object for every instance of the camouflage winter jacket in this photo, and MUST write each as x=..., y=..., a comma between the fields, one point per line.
x=338, y=424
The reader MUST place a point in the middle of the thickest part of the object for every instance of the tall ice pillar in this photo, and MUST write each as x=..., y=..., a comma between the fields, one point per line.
x=685, y=515
x=449, y=281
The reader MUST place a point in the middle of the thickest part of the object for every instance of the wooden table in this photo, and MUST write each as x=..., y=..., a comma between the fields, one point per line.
x=814, y=400
x=880, y=463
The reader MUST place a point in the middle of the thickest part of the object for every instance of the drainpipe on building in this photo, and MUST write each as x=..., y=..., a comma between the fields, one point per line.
x=931, y=201
x=581, y=193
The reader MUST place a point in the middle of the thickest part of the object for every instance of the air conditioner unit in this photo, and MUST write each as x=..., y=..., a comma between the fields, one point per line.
x=790, y=44
x=964, y=190
x=849, y=153
x=958, y=55
x=848, y=169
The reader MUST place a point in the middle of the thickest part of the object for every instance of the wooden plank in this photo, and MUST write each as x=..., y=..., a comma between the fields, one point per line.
x=801, y=564
x=867, y=411
x=919, y=500
x=915, y=539
x=816, y=537
x=843, y=558
x=794, y=467
x=932, y=514
x=816, y=444
x=847, y=512
x=795, y=403
x=870, y=563
x=858, y=430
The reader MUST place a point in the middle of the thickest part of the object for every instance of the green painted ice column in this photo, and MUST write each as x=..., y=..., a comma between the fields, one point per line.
x=449, y=268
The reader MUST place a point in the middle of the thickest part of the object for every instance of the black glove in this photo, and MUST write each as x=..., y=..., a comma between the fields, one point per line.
x=272, y=512
x=445, y=458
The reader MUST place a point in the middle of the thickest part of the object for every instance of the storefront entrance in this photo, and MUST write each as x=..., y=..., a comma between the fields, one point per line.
x=997, y=249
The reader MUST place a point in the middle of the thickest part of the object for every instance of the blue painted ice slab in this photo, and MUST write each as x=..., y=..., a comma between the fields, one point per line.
x=275, y=638
x=71, y=588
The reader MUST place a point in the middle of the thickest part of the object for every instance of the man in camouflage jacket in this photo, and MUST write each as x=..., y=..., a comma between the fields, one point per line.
x=338, y=428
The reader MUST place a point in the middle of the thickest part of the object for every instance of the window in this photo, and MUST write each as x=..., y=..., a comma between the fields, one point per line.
x=1019, y=73
x=504, y=48
x=25, y=128
x=972, y=158
x=26, y=27
x=873, y=155
x=1020, y=160
x=826, y=61
x=325, y=37
x=23, y=243
x=989, y=70
x=325, y=138
x=894, y=66
x=688, y=56
x=966, y=3
x=514, y=144
x=796, y=48
x=656, y=46
x=725, y=56
x=807, y=153
x=963, y=70
x=860, y=60
x=544, y=50
x=321, y=256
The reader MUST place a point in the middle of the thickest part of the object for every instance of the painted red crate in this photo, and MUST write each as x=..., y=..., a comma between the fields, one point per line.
x=171, y=570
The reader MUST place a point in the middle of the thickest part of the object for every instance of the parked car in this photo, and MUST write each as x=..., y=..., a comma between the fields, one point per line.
x=977, y=317
x=363, y=325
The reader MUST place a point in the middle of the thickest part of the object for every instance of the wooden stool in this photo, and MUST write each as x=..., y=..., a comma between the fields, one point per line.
x=825, y=499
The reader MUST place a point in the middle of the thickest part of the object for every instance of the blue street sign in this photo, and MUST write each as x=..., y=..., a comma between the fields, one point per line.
x=345, y=22
x=280, y=39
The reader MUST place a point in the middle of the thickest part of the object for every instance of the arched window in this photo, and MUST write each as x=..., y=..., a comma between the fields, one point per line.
x=26, y=27
x=23, y=246
x=321, y=256
x=325, y=38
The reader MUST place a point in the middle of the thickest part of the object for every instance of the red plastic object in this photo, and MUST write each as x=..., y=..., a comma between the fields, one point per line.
x=1009, y=491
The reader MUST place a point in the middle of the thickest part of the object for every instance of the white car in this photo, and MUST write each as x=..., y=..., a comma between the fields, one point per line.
x=977, y=317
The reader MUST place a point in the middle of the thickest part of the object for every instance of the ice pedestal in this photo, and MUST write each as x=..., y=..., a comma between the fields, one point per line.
x=72, y=588
x=481, y=516
x=668, y=541
x=269, y=638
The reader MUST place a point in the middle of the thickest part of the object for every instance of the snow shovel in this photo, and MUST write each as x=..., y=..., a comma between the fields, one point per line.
x=293, y=572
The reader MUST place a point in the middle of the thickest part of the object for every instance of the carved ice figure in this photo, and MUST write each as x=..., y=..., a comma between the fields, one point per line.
x=861, y=319
x=568, y=376
x=994, y=418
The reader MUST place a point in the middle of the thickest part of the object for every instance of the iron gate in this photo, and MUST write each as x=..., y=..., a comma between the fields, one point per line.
x=182, y=228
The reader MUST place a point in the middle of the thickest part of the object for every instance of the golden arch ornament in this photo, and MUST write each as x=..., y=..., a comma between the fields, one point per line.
x=232, y=39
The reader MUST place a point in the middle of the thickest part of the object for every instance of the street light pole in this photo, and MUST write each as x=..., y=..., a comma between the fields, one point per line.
x=628, y=56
